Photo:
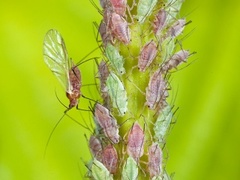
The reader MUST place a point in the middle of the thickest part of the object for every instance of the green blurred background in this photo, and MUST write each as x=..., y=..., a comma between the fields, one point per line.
x=204, y=143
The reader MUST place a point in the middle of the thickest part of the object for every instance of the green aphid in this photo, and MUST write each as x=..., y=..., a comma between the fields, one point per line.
x=167, y=47
x=162, y=124
x=117, y=93
x=100, y=172
x=144, y=9
x=116, y=60
x=172, y=8
x=130, y=169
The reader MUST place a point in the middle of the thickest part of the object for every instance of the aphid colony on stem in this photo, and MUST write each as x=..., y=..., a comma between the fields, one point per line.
x=134, y=116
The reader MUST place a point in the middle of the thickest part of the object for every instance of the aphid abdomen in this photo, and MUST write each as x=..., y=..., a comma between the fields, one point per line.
x=110, y=158
x=147, y=55
x=119, y=28
x=73, y=90
x=119, y=6
x=96, y=147
x=135, y=142
x=156, y=90
x=154, y=160
x=159, y=22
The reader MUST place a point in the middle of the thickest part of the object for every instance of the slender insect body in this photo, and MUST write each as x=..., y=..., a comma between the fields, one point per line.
x=110, y=159
x=135, y=142
x=107, y=122
x=103, y=75
x=154, y=160
x=177, y=28
x=156, y=90
x=175, y=60
x=96, y=147
x=119, y=28
x=104, y=33
x=147, y=55
x=73, y=92
x=119, y=6
x=56, y=58
x=159, y=21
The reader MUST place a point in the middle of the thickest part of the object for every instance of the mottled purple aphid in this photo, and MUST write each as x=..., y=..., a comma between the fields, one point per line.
x=96, y=147
x=177, y=28
x=135, y=142
x=103, y=75
x=119, y=6
x=119, y=28
x=175, y=60
x=147, y=55
x=154, y=160
x=156, y=90
x=104, y=33
x=159, y=21
x=107, y=122
x=110, y=159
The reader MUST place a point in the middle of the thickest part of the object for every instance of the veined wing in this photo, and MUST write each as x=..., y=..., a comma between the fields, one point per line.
x=56, y=57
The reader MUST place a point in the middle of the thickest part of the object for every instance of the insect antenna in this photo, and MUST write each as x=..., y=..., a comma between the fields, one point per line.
x=50, y=136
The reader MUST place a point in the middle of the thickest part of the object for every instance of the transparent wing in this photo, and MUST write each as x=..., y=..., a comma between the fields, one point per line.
x=56, y=56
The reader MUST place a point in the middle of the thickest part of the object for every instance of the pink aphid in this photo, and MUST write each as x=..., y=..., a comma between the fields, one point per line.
x=107, y=122
x=119, y=28
x=154, y=160
x=177, y=28
x=175, y=60
x=159, y=22
x=156, y=90
x=135, y=142
x=110, y=159
x=96, y=147
x=147, y=55
x=119, y=6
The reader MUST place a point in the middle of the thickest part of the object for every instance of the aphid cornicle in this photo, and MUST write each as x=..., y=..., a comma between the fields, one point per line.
x=154, y=160
x=119, y=28
x=156, y=90
x=107, y=122
x=56, y=58
x=110, y=159
x=135, y=142
x=147, y=55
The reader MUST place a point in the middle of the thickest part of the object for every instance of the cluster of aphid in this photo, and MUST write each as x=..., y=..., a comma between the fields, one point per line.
x=138, y=42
